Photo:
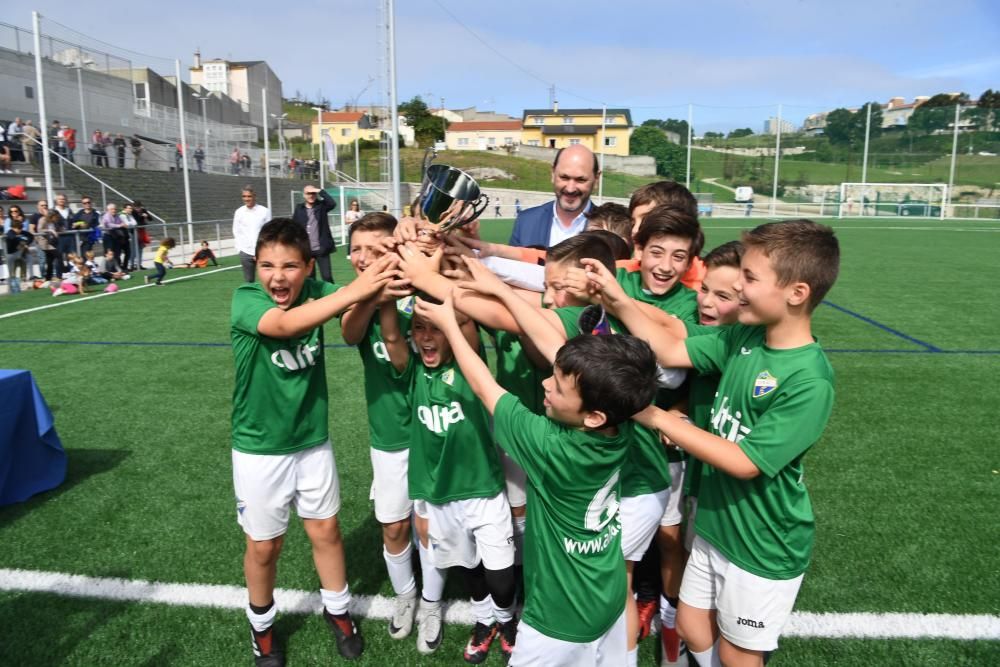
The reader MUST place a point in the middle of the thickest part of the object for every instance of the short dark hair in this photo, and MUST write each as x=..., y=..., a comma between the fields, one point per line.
x=671, y=221
x=664, y=193
x=372, y=222
x=286, y=232
x=800, y=251
x=620, y=248
x=727, y=254
x=597, y=164
x=615, y=374
x=580, y=247
x=613, y=217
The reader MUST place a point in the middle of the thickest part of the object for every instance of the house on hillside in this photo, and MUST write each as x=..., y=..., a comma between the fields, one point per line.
x=896, y=113
x=482, y=135
x=555, y=128
x=243, y=81
x=346, y=126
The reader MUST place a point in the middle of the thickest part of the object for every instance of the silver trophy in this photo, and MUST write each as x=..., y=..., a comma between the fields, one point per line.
x=449, y=197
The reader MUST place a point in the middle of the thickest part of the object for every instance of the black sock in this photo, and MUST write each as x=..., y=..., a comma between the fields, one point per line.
x=673, y=601
x=262, y=610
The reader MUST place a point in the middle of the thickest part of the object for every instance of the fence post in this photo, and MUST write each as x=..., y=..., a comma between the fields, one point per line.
x=343, y=228
x=218, y=238
x=62, y=175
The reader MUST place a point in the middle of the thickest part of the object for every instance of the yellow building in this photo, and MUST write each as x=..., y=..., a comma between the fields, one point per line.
x=482, y=135
x=344, y=126
x=559, y=128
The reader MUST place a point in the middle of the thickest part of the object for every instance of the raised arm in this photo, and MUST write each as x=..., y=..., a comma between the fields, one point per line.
x=354, y=323
x=721, y=453
x=474, y=369
x=395, y=343
x=294, y=322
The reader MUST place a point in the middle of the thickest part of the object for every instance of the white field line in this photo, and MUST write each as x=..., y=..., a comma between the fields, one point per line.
x=121, y=290
x=801, y=624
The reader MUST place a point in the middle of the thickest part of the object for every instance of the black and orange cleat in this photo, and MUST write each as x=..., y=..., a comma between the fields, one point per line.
x=479, y=644
x=350, y=643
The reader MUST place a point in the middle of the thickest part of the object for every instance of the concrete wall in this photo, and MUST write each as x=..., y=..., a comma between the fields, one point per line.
x=637, y=165
x=107, y=99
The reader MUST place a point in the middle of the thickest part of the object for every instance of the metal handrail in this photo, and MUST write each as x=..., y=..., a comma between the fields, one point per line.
x=88, y=175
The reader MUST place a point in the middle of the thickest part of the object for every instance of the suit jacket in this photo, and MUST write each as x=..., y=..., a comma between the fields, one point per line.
x=532, y=226
x=324, y=204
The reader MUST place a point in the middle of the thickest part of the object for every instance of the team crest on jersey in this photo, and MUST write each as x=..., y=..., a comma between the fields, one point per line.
x=240, y=506
x=764, y=384
x=405, y=305
x=448, y=377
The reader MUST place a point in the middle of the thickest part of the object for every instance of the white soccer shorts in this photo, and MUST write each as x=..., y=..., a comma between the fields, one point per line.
x=465, y=532
x=640, y=518
x=673, y=512
x=533, y=649
x=267, y=485
x=390, y=489
x=752, y=610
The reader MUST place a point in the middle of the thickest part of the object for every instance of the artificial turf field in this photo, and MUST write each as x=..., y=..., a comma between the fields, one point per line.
x=905, y=482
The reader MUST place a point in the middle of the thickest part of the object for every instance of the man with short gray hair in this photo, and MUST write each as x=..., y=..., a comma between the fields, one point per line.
x=247, y=222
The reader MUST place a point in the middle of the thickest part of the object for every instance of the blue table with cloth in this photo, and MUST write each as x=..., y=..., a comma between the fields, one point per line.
x=32, y=459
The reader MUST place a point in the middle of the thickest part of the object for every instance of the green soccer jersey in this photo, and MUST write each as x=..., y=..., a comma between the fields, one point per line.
x=280, y=397
x=647, y=467
x=452, y=455
x=701, y=395
x=774, y=404
x=516, y=373
x=574, y=574
x=681, y=302
x=387, y=395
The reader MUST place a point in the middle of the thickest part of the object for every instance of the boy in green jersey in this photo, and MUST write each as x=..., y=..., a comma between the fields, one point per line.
x=574, y=579
x=755, y=527
x=455, y=475
x=667, y=241
x=280, y=435
x=389, y=435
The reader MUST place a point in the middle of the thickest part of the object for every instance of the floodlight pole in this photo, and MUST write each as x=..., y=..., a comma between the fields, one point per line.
x=954, y=155
x=43, y=120
x=777, y=160
x=687, y=180
x=393, y=109
x=184, y=149
x=864, y=162
x=319, y=146
x=267, y=150
x=600, y=181
x=83, y=110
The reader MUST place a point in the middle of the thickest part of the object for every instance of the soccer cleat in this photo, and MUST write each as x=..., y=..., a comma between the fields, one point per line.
x=479, y=644
x=670, y=642
x=350, y=643
x=430, y=631
x=265, y=654
x=508, y=635
x=401, y=623
x=647, y=610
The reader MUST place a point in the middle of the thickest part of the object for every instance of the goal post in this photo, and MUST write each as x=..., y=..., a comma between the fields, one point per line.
x=922, y=200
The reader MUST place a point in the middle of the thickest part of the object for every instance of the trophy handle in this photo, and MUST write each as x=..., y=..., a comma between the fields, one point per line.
x=461, y=219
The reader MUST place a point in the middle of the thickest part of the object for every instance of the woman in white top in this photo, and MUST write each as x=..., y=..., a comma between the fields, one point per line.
x=354, y=213
x=130, y=241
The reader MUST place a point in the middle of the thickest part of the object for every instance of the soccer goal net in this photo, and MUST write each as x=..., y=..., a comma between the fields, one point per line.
x=922, y=200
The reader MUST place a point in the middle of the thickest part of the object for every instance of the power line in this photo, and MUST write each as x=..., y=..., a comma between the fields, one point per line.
x=89, y=38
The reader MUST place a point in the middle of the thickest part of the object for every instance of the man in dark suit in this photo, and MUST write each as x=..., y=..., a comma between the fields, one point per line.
x=312, y=215
x=574, y=174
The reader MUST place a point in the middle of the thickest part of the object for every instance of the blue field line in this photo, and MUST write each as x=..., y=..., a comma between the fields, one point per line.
x=929, y=349
x=887, y=329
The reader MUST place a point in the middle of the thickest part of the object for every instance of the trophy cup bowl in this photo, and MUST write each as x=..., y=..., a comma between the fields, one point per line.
x=450, y=198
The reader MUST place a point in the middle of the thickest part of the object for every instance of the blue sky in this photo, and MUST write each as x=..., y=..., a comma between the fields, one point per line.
x=735, y=60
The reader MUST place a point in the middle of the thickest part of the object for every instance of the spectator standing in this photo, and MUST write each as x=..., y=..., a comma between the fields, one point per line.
x=119, y=144
x=18, y=240
x=129, y=238
x=247, y=164
x=56, y=141
x=143, y=218
x=517, y=206
x=234, y=162
x=178, y=155
x=87, y=223
x=4, y=151
x=66, y=243
x=69, y=137
x=312, y=214
x=199, y=158
x=111, y=232
x=31, y=143
x=354, y=213
x=46, y=240
x=496, y=210
x=98, y=156
x=15, y=132
x=247, y=222
x=136, y=144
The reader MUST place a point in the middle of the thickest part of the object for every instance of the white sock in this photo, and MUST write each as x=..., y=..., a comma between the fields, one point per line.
x=336, y=603
x=707, y=658
x=483, y=610
x=502, y=614
x=632, y=659
x=400, y=568
x=668, y=613
x=432, y=577
x=262, y=622
x=518, y=538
